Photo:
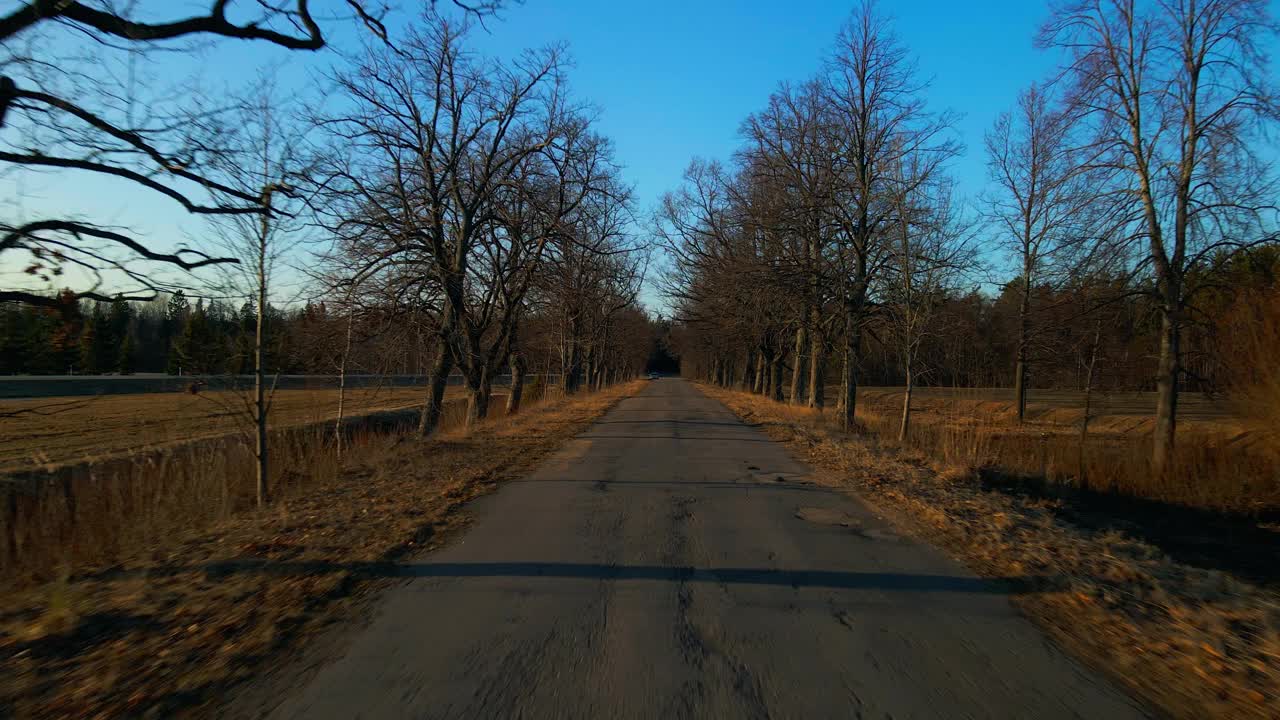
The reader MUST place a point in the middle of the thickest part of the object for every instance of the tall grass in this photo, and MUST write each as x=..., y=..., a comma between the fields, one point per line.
x=1209, y=471
x=96, y=513
x=1254, y=368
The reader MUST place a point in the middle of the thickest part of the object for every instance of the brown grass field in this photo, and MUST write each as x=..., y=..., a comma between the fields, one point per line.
x=1114, y=413
x=42, y=432
x=1225, y=461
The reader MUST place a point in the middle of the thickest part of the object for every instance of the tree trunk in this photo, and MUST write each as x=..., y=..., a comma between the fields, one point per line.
x=905, y=426
x=758, y=387
x=437, y=381
x=775, y=378
x=517, y=383
x=259, y=388
x=1081, y=473
x=748, y=371
x=1166, y=393
x=572, y=369
x=848, y=419
x=798, y=371
x=338, y=435
x=479, y=390
x=817, y=372
x=1020, y=363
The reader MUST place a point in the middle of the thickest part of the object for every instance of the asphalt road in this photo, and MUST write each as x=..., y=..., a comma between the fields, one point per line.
x=673, y=562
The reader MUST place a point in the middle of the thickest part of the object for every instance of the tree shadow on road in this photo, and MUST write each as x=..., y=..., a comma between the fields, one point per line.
x=796, y=579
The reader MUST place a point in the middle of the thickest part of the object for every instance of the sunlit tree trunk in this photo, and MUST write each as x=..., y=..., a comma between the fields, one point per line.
x=437, y=382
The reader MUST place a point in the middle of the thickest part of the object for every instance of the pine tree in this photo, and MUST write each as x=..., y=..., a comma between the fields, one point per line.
x=196, y=350
x=89, y=345
x=12, y=330
x=175, y=325
x=126, y=362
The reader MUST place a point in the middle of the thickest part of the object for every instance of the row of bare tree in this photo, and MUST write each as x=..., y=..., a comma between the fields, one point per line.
x=463, y=205
x=1136, y=170
x=476, y=192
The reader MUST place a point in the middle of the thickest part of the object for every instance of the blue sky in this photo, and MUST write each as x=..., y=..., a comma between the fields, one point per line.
x=675, y=79
x=672, y=81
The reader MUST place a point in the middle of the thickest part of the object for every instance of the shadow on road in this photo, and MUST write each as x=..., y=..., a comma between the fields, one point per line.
x=835, y=579
x=784, y=486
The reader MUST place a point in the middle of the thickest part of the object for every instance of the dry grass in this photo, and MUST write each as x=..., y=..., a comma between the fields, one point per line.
x=171, y=626
x=1225, y=461
x=1194, y=642
x=71, y=515
x=1255, y=365
x=44, y=432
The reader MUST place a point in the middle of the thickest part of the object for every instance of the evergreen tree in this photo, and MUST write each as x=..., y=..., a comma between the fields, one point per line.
x=38, y=327
x=64, y=339
x=89, y=344
x=126, y=362
x=175, y=324
x=197, y=351
x=13, y=355
x=120, y=322
x=246, y=326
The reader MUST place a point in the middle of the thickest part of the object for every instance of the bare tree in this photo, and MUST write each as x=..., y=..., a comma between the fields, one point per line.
x=436, y=132
x=270, y=160
x=70, y=113
x=931, y=249
x=1176, y=91
x=876, y=101
x=790, y=151
x=1038, y=202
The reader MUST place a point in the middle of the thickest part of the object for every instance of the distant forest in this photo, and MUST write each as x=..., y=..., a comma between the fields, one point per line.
x=171, y=334
x=974, y=334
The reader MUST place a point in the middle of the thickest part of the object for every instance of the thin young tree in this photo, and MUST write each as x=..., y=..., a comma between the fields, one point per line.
x=271, y=160
x=930, y=250
x=1038, y=200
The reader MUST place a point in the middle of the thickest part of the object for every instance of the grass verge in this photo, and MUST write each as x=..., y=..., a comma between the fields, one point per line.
x=172, y=626
x=1193, y=642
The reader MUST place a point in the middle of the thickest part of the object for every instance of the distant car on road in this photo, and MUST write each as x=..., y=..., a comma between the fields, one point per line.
x=653, y=376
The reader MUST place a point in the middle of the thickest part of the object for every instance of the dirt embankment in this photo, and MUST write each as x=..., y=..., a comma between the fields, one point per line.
x=1193, y=640
x=172, y=627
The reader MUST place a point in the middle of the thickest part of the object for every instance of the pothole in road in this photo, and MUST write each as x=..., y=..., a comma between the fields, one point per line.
x=839, y=518
x=827, y=516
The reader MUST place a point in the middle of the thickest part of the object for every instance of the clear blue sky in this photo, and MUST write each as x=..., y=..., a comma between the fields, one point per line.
x=672, y=80
x=675, y=79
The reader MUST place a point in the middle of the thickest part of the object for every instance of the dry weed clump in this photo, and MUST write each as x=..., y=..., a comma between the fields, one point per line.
x=173, y=626
x=1194, y=642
